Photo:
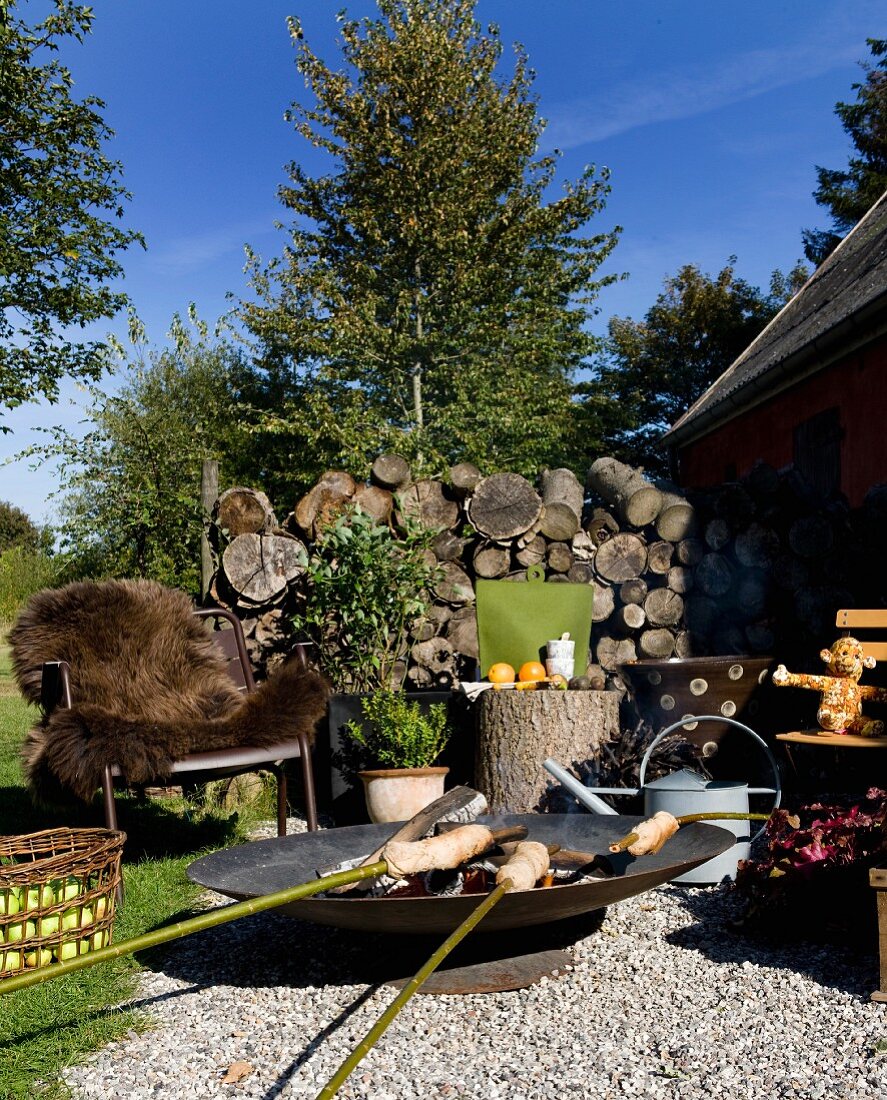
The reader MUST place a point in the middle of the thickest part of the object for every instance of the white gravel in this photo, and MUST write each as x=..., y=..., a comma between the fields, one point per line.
x=662, y=1001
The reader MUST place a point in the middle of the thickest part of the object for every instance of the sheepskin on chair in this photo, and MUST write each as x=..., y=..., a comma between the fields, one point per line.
x=149, y=686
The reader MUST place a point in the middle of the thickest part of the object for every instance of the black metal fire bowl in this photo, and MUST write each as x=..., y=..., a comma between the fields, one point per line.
x=265, y=866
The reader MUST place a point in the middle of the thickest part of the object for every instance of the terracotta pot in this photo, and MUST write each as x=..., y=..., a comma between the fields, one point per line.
x=732, y=686
x=396, y=794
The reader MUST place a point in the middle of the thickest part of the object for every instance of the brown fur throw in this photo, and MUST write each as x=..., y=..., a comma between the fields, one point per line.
x=148, y=684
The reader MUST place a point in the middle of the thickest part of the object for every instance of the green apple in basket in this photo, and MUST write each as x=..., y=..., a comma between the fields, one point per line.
x=94, y=942
x=11, y=960
x=36, y=897
x=21, y=930
x=48, y=926
x=90, y=914
x=9, y=903
x=66, y=891
x=70, y=919
x=66, y=951
x=100, y=939
x=40, y=956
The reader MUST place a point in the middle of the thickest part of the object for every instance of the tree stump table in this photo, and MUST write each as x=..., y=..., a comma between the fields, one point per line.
x=517, y=730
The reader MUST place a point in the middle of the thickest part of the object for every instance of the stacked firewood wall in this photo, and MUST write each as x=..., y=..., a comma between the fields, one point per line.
x=759, y=566
x=260, y=572
x=753, y=567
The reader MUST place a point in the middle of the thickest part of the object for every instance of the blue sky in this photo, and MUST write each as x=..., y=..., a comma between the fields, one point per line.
x=710, y=115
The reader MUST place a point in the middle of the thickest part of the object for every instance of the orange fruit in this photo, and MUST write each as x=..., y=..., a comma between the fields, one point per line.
x=501, y=673
x=531, y=671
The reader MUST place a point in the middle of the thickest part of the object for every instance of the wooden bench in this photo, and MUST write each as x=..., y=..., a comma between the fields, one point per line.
x=859, y=621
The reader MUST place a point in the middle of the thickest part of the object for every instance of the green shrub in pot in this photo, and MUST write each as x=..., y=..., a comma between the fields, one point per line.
x=395, y=732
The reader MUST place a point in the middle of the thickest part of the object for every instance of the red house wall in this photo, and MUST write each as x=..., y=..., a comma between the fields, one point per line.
x=857, y=385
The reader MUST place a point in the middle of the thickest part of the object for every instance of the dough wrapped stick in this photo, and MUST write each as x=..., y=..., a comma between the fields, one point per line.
x=650, y=835
x=525, y=866
x=438, y=853
x=527, y=863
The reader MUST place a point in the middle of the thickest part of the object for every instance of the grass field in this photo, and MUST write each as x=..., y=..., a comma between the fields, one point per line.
x=49, y=1026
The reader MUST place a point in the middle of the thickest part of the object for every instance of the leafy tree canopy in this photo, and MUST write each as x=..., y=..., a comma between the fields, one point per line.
x=430, y=299
x=654, y=369
x=130, y=487
x=850, y=192
x=58, y=194
x=17, y=529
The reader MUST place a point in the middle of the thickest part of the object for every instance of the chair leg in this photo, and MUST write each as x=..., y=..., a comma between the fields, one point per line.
x=108, y=796
x=308, y=784
x=111, y=814
x=280, y=772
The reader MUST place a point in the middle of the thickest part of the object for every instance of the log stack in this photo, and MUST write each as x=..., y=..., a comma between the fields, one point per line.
x=260, y=567
x=758, y=566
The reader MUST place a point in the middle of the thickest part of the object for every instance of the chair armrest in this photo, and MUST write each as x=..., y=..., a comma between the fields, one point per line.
x=237, y=630
x=242, y=756
x=55, y=686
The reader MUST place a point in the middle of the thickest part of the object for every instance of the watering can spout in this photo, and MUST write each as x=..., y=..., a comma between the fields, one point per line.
x=580, y=792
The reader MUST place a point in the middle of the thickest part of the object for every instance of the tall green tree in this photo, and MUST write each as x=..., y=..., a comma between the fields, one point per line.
x=18, y=529
x=654, y=369
x=849, y=192
x=129, y=486
x=60, y=199
x=430, y=298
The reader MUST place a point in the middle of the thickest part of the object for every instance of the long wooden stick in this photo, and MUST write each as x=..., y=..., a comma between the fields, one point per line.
x=380, y=1026
x=686, y=819
x=184, y=928
x=366, y=1044
x=213, y=918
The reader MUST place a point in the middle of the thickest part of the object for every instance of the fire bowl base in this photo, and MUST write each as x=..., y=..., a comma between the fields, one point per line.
x=495, y=976
x=490, y=964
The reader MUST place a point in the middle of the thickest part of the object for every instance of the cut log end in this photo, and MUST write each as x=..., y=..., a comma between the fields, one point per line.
x=504, y=506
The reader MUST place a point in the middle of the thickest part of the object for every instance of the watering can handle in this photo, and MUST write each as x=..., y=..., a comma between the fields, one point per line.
x=775, y=790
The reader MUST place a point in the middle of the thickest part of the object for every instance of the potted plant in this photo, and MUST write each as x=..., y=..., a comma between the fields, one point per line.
x=392, y=751
x=367, y=585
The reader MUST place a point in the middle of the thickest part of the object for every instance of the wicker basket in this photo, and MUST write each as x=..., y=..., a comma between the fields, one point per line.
x=58, y=890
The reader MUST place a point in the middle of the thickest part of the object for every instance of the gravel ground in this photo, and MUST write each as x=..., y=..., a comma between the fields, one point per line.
x=662, y=1000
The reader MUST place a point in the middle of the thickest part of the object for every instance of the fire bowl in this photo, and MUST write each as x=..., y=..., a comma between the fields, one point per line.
x=265, y=866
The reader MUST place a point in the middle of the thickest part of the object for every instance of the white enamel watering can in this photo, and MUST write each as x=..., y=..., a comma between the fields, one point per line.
x=687, y=792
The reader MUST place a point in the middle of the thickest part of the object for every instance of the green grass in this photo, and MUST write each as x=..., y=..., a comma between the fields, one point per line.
x=47, y=1027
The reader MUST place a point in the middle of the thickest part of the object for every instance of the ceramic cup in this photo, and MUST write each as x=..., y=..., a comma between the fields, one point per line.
x=561, y=658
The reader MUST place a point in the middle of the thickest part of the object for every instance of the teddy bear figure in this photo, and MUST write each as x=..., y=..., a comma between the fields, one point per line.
x=840, y=708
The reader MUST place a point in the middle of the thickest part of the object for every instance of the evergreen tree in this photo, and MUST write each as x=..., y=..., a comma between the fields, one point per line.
x=429, y=299
x=57, y=193
x=850, y=192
